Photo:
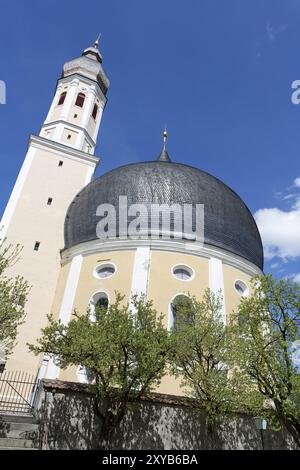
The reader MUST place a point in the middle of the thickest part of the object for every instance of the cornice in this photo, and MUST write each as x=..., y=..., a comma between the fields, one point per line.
x=56, y=147
x=203, y=251
x=70, y=125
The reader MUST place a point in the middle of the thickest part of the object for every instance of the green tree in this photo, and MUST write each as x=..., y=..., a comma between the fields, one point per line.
x=201, y=344
x=125, y=350
x=13, y=296
x=266, y=333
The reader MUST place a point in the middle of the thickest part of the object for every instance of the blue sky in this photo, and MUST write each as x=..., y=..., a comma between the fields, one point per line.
x=217, y=72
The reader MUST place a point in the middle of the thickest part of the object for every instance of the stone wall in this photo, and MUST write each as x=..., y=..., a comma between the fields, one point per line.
x=68, y=421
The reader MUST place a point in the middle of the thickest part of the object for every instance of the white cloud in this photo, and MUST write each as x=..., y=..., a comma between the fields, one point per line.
x=275, y=265
x=273, y=31
x=289, y=196
x=296, y=278
x=297, y=182
x=280, y=231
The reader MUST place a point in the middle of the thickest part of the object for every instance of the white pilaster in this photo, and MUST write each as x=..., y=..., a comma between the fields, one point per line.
x=70, y=98
x=16, y=193
x=90, y=101
x=140, y=271
x=216, y=282
x=66, y=307
x=43, y=367
x=99, y=117
x=58, y=131
x=88, y=109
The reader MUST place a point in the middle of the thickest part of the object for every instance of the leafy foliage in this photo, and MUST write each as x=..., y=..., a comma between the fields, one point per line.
x=125, y=350
x=248, y=365
x=200, y=340
x=266, y=332
x=13, y=296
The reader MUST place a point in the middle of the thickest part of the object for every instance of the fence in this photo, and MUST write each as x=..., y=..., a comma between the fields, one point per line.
x=17, y=392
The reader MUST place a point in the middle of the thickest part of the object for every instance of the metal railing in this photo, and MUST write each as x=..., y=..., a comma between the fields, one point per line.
x=17, y=392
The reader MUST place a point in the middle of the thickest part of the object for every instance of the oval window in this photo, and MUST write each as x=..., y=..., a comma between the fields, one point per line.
x=104, y=271
x=183, y=273
x=241, y=288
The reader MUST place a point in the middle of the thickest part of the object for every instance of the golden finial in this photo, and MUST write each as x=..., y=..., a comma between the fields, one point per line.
x=164, y=156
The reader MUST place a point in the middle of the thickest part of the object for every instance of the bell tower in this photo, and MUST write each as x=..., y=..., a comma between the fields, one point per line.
x=75, y=114
x=59, y=162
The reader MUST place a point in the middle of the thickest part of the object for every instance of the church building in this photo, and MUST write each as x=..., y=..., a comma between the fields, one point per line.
x=53, y=212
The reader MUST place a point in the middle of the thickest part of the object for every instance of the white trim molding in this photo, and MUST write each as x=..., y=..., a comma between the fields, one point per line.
x=216, y=282
x=62, y=150
x=177, y=246
x=71, y=126
x=66, y=307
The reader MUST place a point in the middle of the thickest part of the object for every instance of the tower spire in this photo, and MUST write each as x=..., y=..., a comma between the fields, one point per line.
x=96, y=43
x=93, y=52
x=164, y=156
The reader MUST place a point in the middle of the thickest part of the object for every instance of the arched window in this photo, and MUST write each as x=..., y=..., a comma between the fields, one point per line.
x=102, y=303
x=181, y=311
x=62, y=98
x=98, y=304
x=80, y=100
x=95, y=111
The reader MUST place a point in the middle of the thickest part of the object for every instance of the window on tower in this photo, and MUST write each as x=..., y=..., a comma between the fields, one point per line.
x=80, y=100
x=95, y=111
x=62, y=98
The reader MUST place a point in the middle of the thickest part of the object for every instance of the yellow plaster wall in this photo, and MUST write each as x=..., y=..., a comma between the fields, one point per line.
x=33, y=220
x=163, y=286
x=88, y=285
x=232, y=297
